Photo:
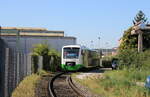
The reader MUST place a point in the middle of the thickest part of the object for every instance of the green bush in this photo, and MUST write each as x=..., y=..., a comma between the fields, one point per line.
x=146, y=62
x=106, y=63
x=55, y=60
x=128, y=41
x=42, y=50
x=130, y=58
x=51, y=57
x=128, y=55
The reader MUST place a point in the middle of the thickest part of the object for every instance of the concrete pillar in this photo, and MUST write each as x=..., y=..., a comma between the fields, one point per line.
x=24, y=61
x=18, y=67
x=40, y=63
x=6, y=72
x=21, y=67
x=14, y=65
x=29, y=64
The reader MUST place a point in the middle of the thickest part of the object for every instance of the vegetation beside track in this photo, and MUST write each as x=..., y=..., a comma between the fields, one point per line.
x=118, y=83
x=27, y=87
x=51, y=57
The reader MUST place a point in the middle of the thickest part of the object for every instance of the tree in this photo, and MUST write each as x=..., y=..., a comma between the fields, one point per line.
x=128, y=55
x=51, y=57
x=140, y=17
x=55, y=59
x=128, y=41
x=42, y=50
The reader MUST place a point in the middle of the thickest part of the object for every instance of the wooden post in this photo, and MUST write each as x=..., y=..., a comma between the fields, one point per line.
x=140, y=41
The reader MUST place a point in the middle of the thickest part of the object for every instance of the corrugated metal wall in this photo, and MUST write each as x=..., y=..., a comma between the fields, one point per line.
x=26, y=43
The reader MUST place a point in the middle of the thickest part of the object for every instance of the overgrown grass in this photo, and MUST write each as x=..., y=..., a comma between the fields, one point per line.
x=27, y=87
x=119, y=83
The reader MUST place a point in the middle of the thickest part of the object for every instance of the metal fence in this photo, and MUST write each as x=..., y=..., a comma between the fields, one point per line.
x=14, y=67
x=17, y=66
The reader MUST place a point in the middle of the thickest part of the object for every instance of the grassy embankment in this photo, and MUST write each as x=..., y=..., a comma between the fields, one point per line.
x=28, y=86
x=119, y=83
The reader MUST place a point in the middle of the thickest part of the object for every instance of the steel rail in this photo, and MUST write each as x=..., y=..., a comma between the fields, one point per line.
x=73, y=86
x=70, y=83
x=51, y=90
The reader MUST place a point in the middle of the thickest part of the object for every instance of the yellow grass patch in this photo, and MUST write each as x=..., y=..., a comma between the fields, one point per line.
x=27, y=87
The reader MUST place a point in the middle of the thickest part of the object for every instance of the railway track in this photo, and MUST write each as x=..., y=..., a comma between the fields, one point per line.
x=61, y=85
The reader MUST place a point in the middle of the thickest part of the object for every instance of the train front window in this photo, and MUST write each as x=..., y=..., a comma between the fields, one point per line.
x=71, y=53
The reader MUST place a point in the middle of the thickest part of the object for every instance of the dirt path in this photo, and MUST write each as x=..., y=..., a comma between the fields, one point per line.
x=42, y=86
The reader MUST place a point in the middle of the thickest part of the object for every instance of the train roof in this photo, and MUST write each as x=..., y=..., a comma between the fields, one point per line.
x=79, y=46
x=72, y=46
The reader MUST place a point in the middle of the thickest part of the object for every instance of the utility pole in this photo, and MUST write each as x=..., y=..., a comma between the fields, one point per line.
x=100, y=61
x=92, y=46
x=106, y=48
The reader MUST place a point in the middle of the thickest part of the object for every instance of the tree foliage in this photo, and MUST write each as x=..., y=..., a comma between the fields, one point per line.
x=128, y=41
x=51, y=57
x=140, y=17
x=42, y=50
x=146, y=41
x=128, y=55
x=54, y=59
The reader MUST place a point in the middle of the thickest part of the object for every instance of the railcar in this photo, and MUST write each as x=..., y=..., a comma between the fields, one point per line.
x=75, y=57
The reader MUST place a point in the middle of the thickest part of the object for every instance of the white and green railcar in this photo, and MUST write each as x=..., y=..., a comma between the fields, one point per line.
x=75, y=57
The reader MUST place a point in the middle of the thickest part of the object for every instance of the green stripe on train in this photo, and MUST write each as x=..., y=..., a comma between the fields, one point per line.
x=76, y=67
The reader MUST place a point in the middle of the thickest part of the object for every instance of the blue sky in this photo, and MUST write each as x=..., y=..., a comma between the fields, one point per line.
x=85, y=19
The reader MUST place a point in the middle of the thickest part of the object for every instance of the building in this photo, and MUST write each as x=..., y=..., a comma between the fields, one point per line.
x=15, y=47
x=24, y=39
x=108, y=52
